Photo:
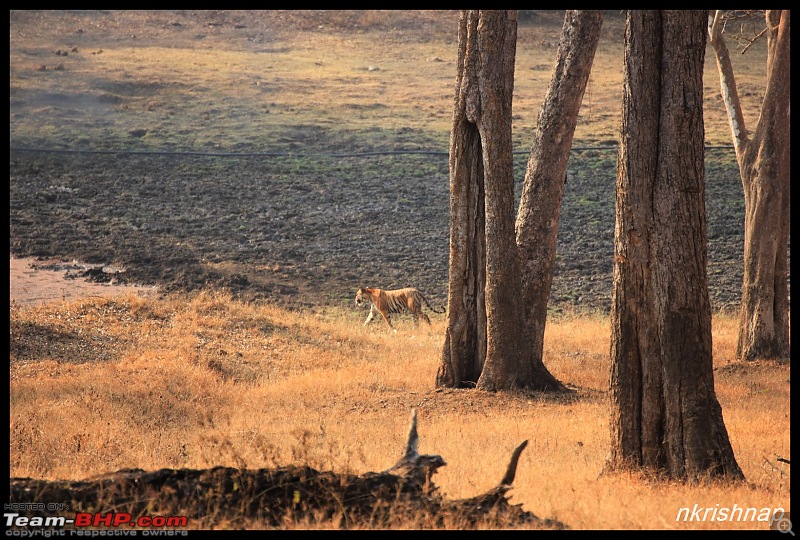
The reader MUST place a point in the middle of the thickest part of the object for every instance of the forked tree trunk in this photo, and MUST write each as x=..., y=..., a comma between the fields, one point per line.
x=543, y=189
x=485, y=322
x=665, y=415
x=764, y=168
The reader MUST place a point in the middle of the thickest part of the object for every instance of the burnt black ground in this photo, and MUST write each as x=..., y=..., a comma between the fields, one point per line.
x=310, y=231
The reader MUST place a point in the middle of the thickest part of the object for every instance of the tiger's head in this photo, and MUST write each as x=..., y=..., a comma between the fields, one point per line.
x=360, y=297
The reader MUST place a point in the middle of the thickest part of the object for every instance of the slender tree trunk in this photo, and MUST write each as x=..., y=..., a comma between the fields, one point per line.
x=665, y=415
x=464, y=350
x=764, y=162
x=764, y=166
x=543, y=189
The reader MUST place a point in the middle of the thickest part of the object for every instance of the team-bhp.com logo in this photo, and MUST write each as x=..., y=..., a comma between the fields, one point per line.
x=27, y=525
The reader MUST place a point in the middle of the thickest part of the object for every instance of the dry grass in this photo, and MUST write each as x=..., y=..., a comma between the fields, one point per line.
x=204, y=380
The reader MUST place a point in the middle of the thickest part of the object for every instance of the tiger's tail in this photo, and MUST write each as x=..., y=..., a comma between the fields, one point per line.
x=429, y=304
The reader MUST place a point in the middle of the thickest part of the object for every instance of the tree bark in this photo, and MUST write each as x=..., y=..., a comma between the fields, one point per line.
x=545, y=176
x=764, y=166
x=665, y=415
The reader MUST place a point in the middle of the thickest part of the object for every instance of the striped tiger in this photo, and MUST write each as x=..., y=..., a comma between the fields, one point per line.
x=395, y=301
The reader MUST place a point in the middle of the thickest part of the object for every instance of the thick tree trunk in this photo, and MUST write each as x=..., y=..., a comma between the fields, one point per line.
x=543, y=189
x=764, y=168
x=464, y=349
x=665, y=415
x=506, y=365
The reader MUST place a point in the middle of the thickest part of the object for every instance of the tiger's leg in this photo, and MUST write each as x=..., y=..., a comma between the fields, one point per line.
x=416, y=310
x=372, y=310
x=386, y=318
x=419, y=315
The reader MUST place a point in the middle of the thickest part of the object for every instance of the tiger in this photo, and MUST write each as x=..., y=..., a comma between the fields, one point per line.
x=395, y=301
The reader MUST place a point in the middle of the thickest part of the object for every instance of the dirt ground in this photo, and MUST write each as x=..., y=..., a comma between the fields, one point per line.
x=37, y=282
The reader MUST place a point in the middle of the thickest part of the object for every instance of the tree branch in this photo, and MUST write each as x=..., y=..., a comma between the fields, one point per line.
x=751, y=41
x=511, y=471
x=727, y=81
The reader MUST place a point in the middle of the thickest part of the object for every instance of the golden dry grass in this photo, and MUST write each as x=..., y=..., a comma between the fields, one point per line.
x=203, y=380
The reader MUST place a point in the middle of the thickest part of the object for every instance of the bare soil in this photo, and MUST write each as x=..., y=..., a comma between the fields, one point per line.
x=36, y=282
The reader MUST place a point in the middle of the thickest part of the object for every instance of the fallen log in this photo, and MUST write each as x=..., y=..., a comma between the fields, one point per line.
x=401, y=496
